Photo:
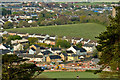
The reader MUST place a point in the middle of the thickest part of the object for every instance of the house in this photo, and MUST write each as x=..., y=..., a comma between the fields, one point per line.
x=19, y=41
x=32, y=51
x=36, y=47
x=31, y=57
x=22, y=34
x=55, y=50
x=64, y=56
x=5, y=51
x=89, y=47
x=70, y=52
x=73, y=57
x=85, y=41
x=12, y=33
x=20, y=52
x=42, y=49
x=50, y=41
x=18, y=47
x=52, y=37
x=47, y=52
x=4, y=47
x=40, y=40
x=53, y=58
x=78, y=51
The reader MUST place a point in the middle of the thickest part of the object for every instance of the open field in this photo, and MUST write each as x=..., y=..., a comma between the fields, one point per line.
x=83, y=30
x=64, y=74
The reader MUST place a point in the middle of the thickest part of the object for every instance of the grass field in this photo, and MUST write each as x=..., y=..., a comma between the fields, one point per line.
x=83, y=30
x=68, y=75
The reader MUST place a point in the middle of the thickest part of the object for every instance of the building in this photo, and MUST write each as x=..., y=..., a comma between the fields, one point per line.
x=53, y=58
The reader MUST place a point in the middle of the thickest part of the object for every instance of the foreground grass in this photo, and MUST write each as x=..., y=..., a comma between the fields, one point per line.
x=84, y=30
x=68, y=75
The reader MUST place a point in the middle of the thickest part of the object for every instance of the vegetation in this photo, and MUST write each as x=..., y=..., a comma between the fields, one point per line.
x=109, y=44
x=32, y=40
x=7, y=38
x=5, y=12
x=63, y=43
x=86, y=30
x=17, y=72
x=8, y=25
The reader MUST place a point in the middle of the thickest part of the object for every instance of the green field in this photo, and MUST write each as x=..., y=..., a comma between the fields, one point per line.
x=83, y=30
x=68, y=75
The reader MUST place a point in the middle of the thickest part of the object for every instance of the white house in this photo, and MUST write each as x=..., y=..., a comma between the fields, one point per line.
x=78, y=51
x=18, y=47
x=4, y=47
x=89, y=47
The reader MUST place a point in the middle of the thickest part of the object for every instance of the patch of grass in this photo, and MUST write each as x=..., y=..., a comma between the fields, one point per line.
x=68, y=75
x=83, y=30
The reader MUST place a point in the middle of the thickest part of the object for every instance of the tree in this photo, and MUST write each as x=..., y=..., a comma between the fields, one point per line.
x=7, y=38
x=33, y=24
x=62, y=43
x=32, y=40
x=79, y=45
x=109, y=44
x=15, y=37
x=8, y=25
x=24, y=24
x=17, y=72
x=5, y=12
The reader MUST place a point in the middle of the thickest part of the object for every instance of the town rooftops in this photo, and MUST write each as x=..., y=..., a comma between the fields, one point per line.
x=42, y=48
x=33, y=49
x=88, y=45
x=54, y=49
x=75, y=47
x=55, y=57
x=5, y=51
x=69, y=51
x=36, y=45
x=50, y=39
x=46, y=52
x=81, y=49
x=65, y=54
x=30, y=56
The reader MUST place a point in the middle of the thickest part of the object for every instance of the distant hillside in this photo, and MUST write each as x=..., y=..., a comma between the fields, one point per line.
x=84, y=30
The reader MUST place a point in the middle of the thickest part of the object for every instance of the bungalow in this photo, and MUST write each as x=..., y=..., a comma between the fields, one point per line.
x=55, y=50
x=53, y=58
